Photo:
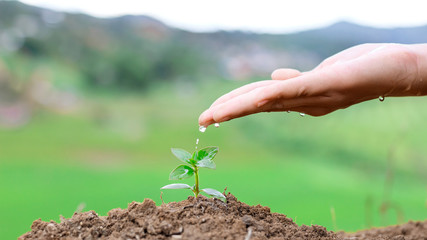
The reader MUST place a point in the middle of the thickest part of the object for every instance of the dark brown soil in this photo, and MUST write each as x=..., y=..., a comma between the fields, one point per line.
x=201, y=218
x=408, y=231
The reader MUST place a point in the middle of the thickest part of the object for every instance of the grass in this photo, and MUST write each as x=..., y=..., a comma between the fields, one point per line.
x=116, y=149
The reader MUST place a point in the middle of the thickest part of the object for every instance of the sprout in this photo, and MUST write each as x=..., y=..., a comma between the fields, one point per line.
x=199, y=159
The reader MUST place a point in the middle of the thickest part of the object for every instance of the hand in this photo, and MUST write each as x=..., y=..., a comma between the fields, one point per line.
x=352, y=76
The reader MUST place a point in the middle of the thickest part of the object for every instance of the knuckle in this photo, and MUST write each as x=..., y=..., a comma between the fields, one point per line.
x=336, y=99
x=302, y=92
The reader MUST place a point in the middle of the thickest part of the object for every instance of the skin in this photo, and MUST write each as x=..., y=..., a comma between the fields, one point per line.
x=357, y=74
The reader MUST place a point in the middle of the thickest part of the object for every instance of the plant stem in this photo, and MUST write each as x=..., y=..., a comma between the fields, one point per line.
x=196, y=187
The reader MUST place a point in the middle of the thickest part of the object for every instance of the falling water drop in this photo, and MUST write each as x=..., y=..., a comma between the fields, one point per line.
x=202, y=129
x=216, y=125
x=302, y=114
x=197, y=143
x=381, y=98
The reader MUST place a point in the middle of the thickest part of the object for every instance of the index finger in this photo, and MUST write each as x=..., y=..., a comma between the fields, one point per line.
x=242, y=90
x=238, y=106
x=278, y=75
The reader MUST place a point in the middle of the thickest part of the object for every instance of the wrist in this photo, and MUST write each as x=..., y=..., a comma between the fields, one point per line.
x=418, y=84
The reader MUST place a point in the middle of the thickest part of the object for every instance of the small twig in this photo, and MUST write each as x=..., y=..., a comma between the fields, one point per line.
x=334, y=218
x=248, y=236
x=80, y=207
x=161, y=197
x=188, y=206
x=368, y=211
x=388, y=186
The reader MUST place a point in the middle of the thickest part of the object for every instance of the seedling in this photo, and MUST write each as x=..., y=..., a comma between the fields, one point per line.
x=193, y=162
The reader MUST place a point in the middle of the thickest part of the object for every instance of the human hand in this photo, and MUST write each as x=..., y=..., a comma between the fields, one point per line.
x=352, y=76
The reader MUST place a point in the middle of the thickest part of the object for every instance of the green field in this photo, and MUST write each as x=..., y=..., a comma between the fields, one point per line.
x=116, y=149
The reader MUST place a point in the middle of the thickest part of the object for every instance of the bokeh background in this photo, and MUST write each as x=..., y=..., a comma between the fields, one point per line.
x=90, y=107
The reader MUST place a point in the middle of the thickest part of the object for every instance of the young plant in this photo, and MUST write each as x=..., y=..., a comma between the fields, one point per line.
x=193, y=162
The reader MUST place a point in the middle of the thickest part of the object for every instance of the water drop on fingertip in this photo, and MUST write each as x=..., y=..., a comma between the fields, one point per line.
x=302, y=114
x=216, y=125
x=202, y=129
x=381, y=98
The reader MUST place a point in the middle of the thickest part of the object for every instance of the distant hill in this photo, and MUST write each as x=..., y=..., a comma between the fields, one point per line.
x=135, y=51
x=342, y=35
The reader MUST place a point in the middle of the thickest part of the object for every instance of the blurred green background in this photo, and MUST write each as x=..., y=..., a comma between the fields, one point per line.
x=89, y=109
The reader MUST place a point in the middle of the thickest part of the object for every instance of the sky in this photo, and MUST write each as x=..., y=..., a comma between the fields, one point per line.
x=266, y=16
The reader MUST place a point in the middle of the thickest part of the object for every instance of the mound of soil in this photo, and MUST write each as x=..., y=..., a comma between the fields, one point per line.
x=201, y=218
x=408, y=231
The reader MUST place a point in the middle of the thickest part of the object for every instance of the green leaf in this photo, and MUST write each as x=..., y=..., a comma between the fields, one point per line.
x=206, y=164
x=181, y=154
x=207, y=153
x=181, y=172
x=214, y=193
x=192, y=161
x=194, y=155
x=177, y=186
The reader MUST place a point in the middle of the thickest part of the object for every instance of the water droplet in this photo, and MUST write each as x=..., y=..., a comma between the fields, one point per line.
x=202, y=129
x=197, y=141
x=302, y=114
x=381, y=98
x=216, y=125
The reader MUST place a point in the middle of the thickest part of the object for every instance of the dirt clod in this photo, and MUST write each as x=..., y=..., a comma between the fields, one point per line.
x=201, y=218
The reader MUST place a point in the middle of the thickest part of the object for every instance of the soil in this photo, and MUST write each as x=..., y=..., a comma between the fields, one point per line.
x=408, y=231
x=202, y=218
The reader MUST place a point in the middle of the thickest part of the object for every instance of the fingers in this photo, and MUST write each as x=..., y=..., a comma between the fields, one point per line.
x=307, y=90
x=242, y=90
x=285, y=73
x=212, y=116
x=206, y=118
x=266, y=98
x=246, y=104
x=239, y=105
x=279, y=74
x=232, y=106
